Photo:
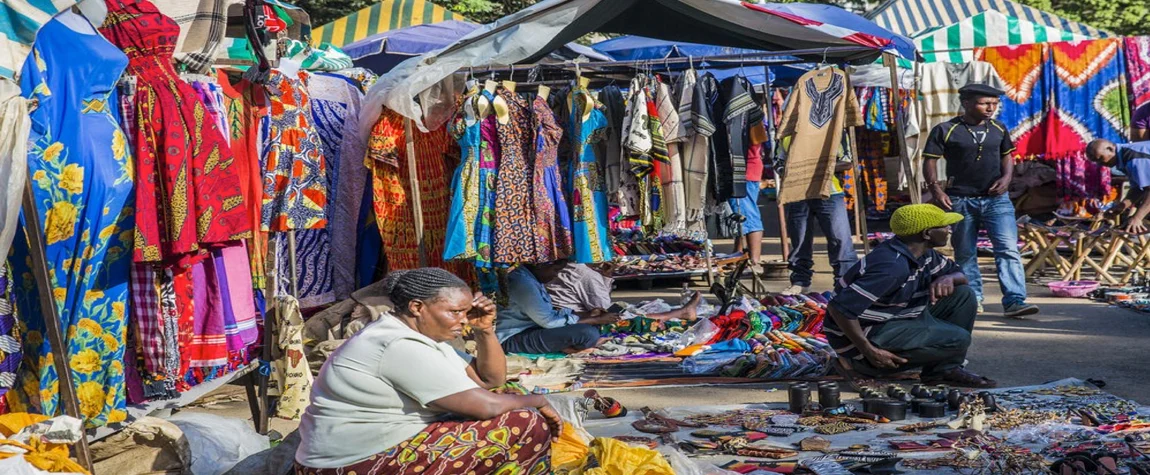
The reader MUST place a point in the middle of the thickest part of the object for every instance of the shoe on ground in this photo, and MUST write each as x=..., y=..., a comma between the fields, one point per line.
x=756, y=269
x=980, y=309
x=1020, y=310
x=795, y=290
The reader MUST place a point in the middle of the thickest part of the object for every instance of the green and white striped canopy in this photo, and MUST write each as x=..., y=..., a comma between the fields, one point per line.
x=954, y=43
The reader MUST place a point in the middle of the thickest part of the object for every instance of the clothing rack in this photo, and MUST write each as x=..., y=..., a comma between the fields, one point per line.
x=757, y=59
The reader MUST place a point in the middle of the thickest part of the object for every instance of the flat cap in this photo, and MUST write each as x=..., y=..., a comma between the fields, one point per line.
x=980, y=90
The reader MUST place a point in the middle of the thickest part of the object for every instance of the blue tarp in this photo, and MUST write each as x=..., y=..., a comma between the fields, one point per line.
x=383, y=51
x=638, y=48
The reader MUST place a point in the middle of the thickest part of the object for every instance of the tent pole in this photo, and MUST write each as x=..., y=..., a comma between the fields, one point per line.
x=860, y=212
x=416, y=200
x=900, y=128
x=37, y=253
x=784, y=240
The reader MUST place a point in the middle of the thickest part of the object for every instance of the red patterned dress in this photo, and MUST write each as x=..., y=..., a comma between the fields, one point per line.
x=187, y=189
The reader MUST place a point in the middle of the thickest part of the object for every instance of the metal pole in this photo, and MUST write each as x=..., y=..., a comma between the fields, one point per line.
x=416, y=200
x=860, y=213
x=900, y=129
x=37, y=253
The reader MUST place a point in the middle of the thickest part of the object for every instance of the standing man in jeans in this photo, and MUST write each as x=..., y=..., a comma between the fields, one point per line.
x=832, y=217
x=980, y=162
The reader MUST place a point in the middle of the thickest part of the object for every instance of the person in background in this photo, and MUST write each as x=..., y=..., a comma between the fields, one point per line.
x=396, y=397
x=583, y=287
x=751, y=242
x=586, y=288
x=1140, y=124
x=905, y=306
x=832, y=217
x=1133, y=160
x=980, y=161
x=530, y=323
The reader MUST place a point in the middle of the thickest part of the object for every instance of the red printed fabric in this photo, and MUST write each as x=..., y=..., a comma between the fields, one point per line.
x=187, y=191
x=391, y=189
x=515, y=443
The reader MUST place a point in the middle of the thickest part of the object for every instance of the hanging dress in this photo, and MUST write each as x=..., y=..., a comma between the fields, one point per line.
x=188, y=192
x=393, y=194
x=588, y=190
x=514, y=236
x=461, y=222
x=552, y=228
x=81, y=174
x=490, y=154
x=295, y=173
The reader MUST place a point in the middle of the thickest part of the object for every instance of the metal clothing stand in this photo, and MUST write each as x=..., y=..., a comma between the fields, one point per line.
x=37, y=253
x=891, y=62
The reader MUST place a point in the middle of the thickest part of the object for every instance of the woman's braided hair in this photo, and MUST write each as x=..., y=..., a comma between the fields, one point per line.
x=426, y=284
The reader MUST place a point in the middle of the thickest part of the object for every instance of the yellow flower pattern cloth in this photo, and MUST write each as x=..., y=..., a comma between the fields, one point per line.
x=82, y=181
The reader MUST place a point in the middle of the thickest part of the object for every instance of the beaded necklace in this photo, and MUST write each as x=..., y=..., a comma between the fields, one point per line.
x=975, y=137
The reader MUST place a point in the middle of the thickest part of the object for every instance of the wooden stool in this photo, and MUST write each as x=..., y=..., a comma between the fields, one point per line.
x=1044, y=242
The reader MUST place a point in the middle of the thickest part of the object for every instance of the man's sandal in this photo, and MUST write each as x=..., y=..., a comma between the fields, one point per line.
x=962, y=378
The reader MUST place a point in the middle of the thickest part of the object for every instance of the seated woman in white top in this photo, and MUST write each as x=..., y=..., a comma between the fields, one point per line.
x=397, y=399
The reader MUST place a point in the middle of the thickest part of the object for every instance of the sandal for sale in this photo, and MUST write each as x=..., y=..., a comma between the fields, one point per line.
x=962, y=378
x=1074, y=465
x=609, y=407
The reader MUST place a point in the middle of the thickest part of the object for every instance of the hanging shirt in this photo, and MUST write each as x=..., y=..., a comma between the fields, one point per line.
x=817, y=113
x=1134, y=161
x=973, y=154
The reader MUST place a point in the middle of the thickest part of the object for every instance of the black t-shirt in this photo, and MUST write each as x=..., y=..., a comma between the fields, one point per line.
x=971, y=173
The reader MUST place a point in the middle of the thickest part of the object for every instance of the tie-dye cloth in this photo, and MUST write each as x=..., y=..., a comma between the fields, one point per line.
x=1023, y=109
x=1088, y=102
x=1059, y=97
x=1138, y=69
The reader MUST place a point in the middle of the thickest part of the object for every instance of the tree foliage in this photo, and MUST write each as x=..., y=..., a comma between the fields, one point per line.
x=1124, y=17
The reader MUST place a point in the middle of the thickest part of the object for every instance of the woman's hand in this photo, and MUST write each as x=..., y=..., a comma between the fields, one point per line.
x=554, y=422
x=482, y=315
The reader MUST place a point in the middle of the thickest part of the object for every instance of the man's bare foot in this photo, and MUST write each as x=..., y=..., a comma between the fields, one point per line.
x=691, y=309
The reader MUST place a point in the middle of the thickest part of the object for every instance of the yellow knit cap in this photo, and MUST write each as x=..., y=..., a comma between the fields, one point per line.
x=910, y=220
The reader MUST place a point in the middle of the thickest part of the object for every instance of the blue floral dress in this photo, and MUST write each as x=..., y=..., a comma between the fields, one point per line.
x=82, y=178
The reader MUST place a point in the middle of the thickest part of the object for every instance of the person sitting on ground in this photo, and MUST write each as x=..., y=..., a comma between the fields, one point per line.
x=1133, y=160
x=395, y=397
x=906, y=306
x=586, y=288
x=530, y=323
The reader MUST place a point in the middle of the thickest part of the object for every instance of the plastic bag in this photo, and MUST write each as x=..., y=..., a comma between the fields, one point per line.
x=218, y=443
x=699, y=333
x=618, y=458
x=1044, y=434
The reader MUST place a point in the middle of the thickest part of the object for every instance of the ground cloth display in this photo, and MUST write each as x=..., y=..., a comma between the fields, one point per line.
x=1031, y=420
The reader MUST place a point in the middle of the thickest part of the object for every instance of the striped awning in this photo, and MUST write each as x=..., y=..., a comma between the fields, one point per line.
x=955, y=43
x=19, y=22
x=911, y=17
x=383, y=16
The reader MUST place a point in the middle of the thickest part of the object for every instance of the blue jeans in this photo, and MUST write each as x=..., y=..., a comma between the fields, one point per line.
x=996, y=215
x=832, y=216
